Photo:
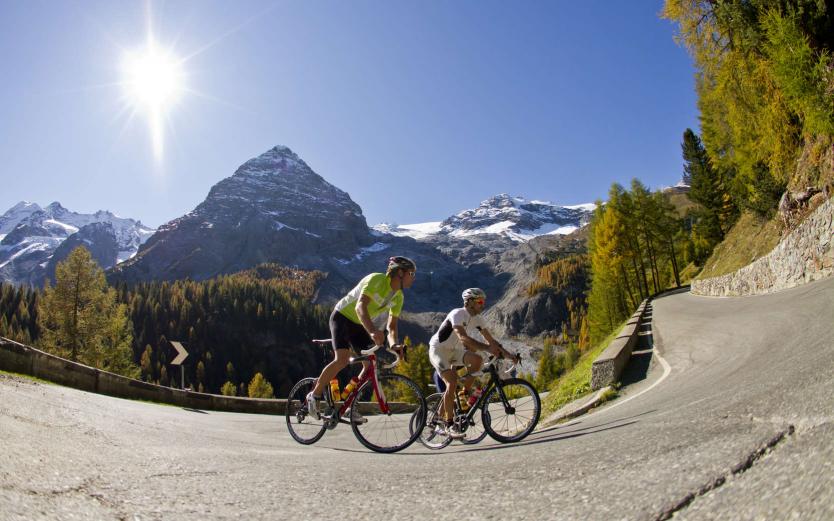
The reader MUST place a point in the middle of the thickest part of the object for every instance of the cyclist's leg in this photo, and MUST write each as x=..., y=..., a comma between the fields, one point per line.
x=443, y=360
x=447, y=408
x=473, y=363
x=340, y=337
x=439, y=384
x=359, y=339
x=331, y=370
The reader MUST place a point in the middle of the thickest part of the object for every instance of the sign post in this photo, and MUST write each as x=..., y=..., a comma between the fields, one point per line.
x=182, y=354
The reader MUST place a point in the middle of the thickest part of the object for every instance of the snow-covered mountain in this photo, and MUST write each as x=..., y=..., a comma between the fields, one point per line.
x=32, y=236
x=512, y=217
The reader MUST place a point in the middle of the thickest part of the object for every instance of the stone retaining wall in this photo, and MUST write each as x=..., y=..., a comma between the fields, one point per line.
x=19, y=358
x=805, y=255
x=610, y=364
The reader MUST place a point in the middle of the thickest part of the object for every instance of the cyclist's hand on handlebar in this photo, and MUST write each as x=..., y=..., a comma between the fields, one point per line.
x=399, y=349
x=378, y=337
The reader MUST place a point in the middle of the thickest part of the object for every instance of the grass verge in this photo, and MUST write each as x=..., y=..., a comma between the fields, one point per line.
x=576, y=382
x=750, y=238
x=26, y=377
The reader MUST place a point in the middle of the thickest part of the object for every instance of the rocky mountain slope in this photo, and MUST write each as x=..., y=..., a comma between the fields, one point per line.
x=275, y=208
x=34, y=239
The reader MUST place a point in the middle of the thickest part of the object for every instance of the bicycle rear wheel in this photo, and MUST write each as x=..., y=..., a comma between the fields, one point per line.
x=511, y=410
x=428, y=437
x=303, y=426
x=401, y=426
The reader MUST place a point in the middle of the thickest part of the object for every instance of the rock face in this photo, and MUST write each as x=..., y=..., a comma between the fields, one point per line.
x=806, y=254
x=274, y=208
x=98, y=238
x=34, y=238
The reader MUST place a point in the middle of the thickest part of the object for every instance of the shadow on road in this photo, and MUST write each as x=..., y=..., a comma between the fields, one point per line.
x=551, y=434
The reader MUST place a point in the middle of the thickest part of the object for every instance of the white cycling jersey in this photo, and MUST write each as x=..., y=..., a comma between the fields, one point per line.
x=445, y=347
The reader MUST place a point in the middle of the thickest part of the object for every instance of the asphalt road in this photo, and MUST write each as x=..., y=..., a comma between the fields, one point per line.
x=733, y=422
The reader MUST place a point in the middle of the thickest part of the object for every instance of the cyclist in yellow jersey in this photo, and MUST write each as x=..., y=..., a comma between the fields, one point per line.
x=351, y=323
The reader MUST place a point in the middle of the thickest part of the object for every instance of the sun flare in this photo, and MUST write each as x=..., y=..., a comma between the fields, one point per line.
x=154, y=81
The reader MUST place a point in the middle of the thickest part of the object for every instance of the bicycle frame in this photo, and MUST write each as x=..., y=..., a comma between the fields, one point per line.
x=370, y=374
x=492, y=383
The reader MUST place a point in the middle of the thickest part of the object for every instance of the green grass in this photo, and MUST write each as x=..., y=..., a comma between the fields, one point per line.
x=750, y=238
x=27, y=377
x=576, y=382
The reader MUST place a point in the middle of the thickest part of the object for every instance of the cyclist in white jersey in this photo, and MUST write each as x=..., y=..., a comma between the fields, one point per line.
x=453, y=345
x=352, y=326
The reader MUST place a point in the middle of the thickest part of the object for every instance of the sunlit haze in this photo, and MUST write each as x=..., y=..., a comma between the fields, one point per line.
x=153, y=80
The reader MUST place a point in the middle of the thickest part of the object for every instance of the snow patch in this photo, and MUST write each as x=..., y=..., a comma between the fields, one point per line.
x=588, y=207
x=415, y=231
x=364, y=252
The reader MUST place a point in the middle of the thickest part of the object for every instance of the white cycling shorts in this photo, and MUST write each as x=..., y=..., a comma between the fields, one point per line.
x=443, y=358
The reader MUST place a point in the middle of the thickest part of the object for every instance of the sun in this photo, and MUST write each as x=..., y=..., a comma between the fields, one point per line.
x=154, y=80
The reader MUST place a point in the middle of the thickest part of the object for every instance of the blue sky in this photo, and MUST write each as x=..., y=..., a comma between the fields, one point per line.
x=416, y=109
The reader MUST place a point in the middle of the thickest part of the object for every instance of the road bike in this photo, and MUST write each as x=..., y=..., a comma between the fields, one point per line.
x=510, y=409
x=392, y=405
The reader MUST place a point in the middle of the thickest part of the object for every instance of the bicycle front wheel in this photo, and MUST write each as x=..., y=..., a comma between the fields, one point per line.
x=511, y=410
x=395, y=429
x=475, y=431
x=303, y=426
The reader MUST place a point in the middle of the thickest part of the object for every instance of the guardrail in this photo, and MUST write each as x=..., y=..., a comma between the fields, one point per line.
x=19, y=358
x=610, y=364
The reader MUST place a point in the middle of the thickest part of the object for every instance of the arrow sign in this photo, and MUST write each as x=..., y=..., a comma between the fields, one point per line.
x=181, y=353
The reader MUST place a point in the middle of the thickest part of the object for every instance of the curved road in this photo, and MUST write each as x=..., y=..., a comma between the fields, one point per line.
x=739, y=426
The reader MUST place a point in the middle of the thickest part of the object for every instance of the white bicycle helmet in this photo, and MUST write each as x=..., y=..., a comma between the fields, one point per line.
x=471, y=293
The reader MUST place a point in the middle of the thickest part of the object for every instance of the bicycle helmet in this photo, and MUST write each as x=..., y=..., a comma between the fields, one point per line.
x=401, y=262
x=471, y=293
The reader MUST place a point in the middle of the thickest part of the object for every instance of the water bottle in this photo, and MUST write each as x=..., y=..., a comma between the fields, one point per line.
x=334, y=388
x=476, y=394
x=350, y=387
x=463, y=401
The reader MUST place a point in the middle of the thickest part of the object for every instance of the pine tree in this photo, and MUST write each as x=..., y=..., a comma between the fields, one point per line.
x=80, y=318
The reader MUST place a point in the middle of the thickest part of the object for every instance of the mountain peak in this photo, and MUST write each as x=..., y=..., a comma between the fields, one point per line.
x=503, y=214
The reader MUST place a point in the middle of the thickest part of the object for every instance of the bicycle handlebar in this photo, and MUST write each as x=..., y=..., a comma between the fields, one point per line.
x=393, y=364
x=492, y=361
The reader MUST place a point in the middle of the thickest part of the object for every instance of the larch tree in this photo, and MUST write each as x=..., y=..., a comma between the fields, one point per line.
x=80, y=319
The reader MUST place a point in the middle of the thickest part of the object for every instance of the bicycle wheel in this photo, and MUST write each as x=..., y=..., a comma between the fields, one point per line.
x=475, y=431
x=511, y=411
x=303, y=427
x=428, y=437
x=401, y=426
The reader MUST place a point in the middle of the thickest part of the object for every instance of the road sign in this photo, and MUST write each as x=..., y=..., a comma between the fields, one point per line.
x=181, y=353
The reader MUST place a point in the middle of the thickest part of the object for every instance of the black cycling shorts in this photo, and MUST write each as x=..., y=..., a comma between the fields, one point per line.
x=346, y=334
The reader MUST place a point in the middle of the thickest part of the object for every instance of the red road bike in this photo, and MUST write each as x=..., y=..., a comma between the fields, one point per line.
x=392, y=405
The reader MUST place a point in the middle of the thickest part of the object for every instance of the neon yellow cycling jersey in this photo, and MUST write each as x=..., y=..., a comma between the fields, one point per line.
x=378, y=287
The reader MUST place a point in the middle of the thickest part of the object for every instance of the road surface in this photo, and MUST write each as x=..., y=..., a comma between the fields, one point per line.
x=732, y=420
